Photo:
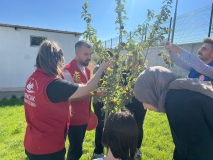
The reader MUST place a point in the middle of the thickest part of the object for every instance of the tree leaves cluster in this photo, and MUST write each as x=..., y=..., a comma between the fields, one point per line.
x=129, y=56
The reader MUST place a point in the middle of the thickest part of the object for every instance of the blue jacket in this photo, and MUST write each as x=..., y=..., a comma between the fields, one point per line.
x=194, y=74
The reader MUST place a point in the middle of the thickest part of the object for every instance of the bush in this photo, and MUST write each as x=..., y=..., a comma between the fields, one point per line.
x=13, y=101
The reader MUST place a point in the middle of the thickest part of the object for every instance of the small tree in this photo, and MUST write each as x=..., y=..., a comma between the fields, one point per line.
x=118, y=95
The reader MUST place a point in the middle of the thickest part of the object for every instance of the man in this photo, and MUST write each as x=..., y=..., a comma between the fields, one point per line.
x=78, y=72
x=200, y=67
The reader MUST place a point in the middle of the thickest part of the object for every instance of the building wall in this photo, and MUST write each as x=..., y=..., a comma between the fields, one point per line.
x=17, y=57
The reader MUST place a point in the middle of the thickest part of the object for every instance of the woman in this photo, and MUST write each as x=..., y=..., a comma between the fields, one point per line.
x=120, y=136
x=46, y=102
x=189, y=108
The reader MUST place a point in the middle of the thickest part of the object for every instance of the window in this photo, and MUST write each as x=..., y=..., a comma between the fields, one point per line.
x=36, y=41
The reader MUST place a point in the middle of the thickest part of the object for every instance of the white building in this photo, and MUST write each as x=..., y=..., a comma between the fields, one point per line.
x=18, y=50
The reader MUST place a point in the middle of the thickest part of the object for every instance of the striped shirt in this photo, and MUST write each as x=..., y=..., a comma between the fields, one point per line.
x=188, y=61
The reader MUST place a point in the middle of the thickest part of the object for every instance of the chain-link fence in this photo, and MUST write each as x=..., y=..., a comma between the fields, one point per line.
x=190, y=28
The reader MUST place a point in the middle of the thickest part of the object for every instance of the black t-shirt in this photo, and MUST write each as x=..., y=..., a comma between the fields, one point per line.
x=184, y=97
x=60, y=90
x=190, y=118
x=95, y=70
x=125, y=74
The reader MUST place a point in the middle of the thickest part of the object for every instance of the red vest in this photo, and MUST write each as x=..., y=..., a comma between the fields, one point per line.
x=80, y=109
x=46, y=121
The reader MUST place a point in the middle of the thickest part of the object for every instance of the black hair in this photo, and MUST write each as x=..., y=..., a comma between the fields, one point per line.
x=81, y=43
x=120, y=135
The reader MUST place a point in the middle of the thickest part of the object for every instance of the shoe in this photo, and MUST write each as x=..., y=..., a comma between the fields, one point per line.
x=138, y=153
x=95, y=156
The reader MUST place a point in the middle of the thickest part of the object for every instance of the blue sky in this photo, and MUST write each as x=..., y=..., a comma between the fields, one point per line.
x=66, y=14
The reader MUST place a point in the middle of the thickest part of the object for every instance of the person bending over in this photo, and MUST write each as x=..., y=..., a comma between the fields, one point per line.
x=187, y=103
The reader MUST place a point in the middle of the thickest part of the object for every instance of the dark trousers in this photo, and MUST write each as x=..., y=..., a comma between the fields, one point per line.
x=135, y=107
x=138, y=111
x=76, y=136
x=99, y=129
x=190, y=116
x=53, y=156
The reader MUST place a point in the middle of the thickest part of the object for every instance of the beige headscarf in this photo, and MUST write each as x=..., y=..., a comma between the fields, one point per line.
x=153, y=83
x=193, y=84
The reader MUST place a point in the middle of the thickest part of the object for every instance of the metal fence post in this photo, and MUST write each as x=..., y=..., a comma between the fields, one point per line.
x=210, y=24
x=173, y=28
x=111, y=43
x=170, y=25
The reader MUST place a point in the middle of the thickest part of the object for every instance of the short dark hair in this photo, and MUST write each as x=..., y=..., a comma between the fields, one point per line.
x=81, y=43
x=208, y=40
x=120, y=135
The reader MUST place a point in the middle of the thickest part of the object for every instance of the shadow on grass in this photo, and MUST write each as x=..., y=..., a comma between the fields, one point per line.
x=12, y=101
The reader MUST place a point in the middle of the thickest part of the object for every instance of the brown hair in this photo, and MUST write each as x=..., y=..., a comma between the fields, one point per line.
x=50, y=58
x=208, y=40
x=120, y=135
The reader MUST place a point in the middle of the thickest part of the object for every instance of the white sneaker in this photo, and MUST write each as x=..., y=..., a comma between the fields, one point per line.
x=95, y=156
x=138, y=153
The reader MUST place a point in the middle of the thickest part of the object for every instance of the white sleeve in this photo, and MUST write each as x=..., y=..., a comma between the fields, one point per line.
x=67, y=76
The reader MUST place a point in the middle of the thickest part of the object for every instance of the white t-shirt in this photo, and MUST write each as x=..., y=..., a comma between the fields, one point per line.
x=99, y=159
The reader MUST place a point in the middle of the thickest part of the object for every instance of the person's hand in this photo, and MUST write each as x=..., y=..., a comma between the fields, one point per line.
x=105, y=64
x=100, y=93
x=172, y=48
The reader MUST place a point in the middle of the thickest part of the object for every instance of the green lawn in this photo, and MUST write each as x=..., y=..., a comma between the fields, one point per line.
x=157, y=142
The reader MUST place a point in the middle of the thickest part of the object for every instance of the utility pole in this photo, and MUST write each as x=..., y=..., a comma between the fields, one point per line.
x=174, y=22
x=210, y=23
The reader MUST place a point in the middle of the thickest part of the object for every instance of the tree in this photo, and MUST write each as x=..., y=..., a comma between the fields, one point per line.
x=136, y=58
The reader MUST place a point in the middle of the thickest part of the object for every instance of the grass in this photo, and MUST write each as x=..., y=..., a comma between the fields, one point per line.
x=157, y=142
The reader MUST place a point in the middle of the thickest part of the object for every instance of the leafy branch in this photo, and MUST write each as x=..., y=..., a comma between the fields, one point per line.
x=129, y=56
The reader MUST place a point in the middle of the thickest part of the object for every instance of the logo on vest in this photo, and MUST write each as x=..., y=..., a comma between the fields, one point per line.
x=77, y=77
x=201, y=78
x=29, y=88
x=29, y=96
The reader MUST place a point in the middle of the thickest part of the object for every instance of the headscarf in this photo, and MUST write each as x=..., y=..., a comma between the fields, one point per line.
x=151, y=86
x=153, y=83
x=193, y=84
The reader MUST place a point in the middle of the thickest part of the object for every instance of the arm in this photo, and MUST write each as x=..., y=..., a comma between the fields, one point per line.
x=60, y=90
x=174, y=52
x=91, y=84
x=69, y=78
x=179, y=61
x=197, y=64
x=98, y=93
